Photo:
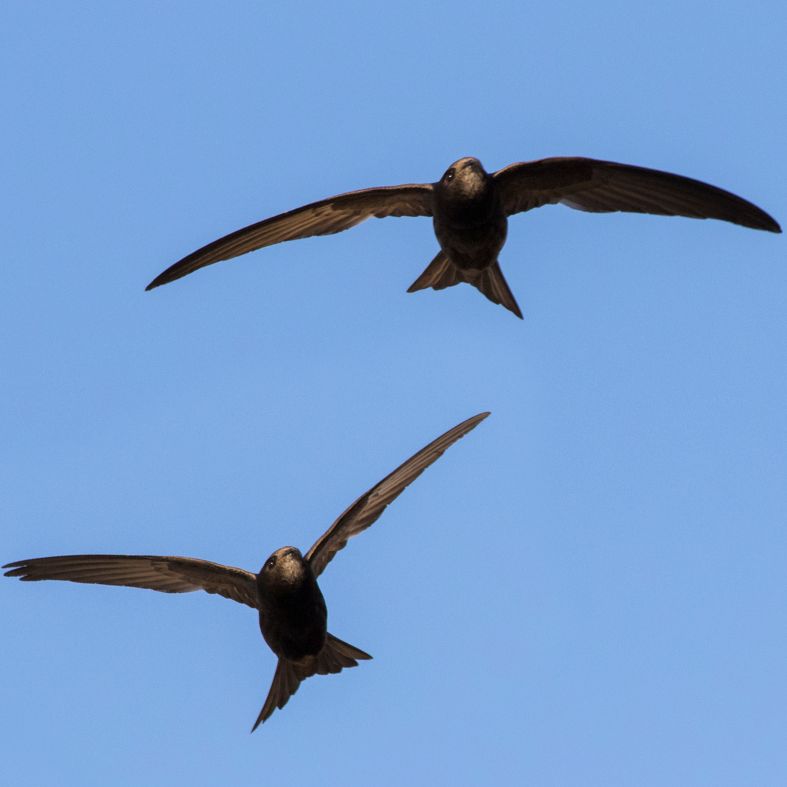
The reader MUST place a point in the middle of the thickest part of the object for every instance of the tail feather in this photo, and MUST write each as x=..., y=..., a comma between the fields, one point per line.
x=492, y=283
x=285, y=684
x=335, y=656
x=442, y=273
x=346, y=652
x=439, y=274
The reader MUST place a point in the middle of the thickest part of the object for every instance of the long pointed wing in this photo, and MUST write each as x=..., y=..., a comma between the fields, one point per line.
x=604, y=186
x=167, y=574
x=367, y=508
x=325, y=217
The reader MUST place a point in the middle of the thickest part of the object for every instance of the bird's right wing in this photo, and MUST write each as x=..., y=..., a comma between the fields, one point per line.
x=366, y=510
x=318, y=218
x=167, y=574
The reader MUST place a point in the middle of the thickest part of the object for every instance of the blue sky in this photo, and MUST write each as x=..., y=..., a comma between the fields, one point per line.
x=589, y=589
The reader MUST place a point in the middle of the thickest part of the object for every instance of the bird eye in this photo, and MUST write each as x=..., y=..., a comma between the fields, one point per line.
x=271, y=562
x=450, y=174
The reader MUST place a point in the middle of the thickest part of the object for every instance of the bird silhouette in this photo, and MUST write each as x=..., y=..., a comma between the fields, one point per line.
x=292, y=610
x=470, y=209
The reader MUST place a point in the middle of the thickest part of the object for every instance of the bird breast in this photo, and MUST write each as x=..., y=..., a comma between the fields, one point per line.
x=472, y=246
x=294, y=620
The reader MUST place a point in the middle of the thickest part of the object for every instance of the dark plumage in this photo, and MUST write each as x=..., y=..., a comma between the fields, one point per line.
x=470, y=209
x=292, y=611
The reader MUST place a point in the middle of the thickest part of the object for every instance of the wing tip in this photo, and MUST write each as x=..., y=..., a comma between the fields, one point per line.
x=16, y=569
x=471, y=423
x=474, y=420
x=758, y=219
x=176, y=271
x=162, y=278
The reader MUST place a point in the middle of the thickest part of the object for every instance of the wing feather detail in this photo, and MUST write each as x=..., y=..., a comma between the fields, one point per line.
x=606, y=186
x=367, y=509
x=165, y=574
x=325, y=217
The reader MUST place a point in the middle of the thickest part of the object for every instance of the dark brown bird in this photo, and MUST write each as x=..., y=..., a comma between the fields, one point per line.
x=292, y=611
x=470, y=209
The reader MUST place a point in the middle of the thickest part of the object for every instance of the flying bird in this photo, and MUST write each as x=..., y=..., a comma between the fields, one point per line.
x=292, y=611
x=470, y=209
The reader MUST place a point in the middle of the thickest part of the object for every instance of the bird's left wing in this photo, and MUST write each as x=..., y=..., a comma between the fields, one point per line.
x=325, y=217
x=605, y=186
x=368, y=507
x=166, y=574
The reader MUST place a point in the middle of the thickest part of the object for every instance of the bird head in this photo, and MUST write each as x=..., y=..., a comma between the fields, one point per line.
x=285, y=566
x=466, y=176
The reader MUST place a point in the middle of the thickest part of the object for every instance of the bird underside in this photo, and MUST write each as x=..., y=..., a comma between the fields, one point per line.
x=442, y=273
x=335, y=656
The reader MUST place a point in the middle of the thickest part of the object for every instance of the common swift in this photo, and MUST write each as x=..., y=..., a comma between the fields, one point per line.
x=470, y=209
x=292, y=611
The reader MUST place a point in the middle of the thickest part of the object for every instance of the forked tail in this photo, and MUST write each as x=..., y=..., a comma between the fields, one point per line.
x=335, y=656
x=442, y=273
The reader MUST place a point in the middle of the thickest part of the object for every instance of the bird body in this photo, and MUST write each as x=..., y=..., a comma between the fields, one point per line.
x=292, y=611
x=469, y=221
x=470, y=225
x=293, y=615
x=470, y=209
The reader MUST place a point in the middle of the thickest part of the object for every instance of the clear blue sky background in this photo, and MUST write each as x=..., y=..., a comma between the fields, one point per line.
x=589, y=589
